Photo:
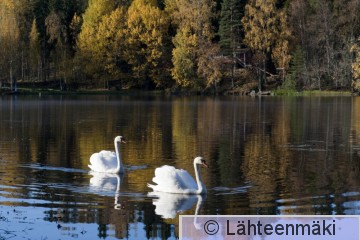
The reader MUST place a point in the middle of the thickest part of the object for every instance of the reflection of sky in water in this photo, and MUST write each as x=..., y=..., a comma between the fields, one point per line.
x=267, y=156
x=29, y=223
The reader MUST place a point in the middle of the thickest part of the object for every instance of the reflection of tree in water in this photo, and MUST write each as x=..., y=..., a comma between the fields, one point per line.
x=291, y=151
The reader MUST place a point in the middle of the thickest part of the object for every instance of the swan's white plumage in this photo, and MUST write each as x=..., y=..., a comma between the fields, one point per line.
x=172, y=180
x=103, y=161
x=108, y=161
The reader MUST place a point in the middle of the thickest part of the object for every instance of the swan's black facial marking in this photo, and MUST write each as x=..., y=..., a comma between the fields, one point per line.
x=122, y=140
x=203, y=162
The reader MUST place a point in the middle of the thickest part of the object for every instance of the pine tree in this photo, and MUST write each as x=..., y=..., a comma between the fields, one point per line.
x=230, y=26
x=295, y=75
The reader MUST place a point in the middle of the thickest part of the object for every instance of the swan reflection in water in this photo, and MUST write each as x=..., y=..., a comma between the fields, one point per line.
x=168, y=205
x=103, y=183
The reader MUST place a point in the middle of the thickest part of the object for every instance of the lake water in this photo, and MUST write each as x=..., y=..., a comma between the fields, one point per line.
x=268, y=156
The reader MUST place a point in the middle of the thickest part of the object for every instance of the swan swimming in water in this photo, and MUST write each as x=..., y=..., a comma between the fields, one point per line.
x=108, y=161
x=172, y=180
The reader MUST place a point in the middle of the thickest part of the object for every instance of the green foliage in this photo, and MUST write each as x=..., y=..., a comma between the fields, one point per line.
x=294, y=77
x=230, y=27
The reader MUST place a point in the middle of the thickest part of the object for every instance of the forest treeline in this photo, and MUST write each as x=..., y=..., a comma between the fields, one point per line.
x=201, y=45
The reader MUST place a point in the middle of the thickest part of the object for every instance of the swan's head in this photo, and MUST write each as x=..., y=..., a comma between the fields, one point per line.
x=201, y=161
x=120, y=139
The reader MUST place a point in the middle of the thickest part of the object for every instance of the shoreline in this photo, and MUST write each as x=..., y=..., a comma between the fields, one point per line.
x=168, y=92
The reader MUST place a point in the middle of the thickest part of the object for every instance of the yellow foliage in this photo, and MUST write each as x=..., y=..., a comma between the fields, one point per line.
x=356, y=64
x=184, y=56
x=268, y=32
x=147, y=28
x=260, y=31
x=281, y=51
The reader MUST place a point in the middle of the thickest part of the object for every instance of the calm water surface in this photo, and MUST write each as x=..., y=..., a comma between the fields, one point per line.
x=268, y=155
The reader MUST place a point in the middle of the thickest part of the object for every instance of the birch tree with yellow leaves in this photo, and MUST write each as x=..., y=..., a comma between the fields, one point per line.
x=356, y=66
x=266, y=34
x=147, y=42
x=192, y=19
x=87, y=57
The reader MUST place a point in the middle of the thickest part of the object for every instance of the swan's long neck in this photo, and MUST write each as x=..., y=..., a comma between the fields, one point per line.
x=120, y=167
x=201, y=186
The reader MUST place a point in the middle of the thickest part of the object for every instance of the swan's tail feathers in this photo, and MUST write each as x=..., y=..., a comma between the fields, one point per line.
x=91, y=167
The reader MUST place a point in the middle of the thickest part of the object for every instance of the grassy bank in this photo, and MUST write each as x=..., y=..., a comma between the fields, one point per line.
x=286, y=92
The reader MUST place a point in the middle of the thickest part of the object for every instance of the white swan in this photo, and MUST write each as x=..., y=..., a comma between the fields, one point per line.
x=172, y=180
x=108, y=161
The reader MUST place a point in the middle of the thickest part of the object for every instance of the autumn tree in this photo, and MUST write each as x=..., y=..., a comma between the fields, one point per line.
x=34, y=52
x=192, y=20
x=147, y=42
x=263, y=27
x=210, y=65
x=10, y=42
x=184, y=57
x=281, y=50
x=110, y=43
x=87, y=38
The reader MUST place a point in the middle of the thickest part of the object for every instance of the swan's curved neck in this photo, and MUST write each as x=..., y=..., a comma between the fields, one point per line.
x=201, y=186
x=120, y=167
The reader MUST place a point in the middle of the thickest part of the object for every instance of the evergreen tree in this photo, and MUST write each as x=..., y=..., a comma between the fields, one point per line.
x=295, y=75
x=230, y=26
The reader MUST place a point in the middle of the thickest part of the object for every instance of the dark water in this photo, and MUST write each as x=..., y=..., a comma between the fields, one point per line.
x=269, y=155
